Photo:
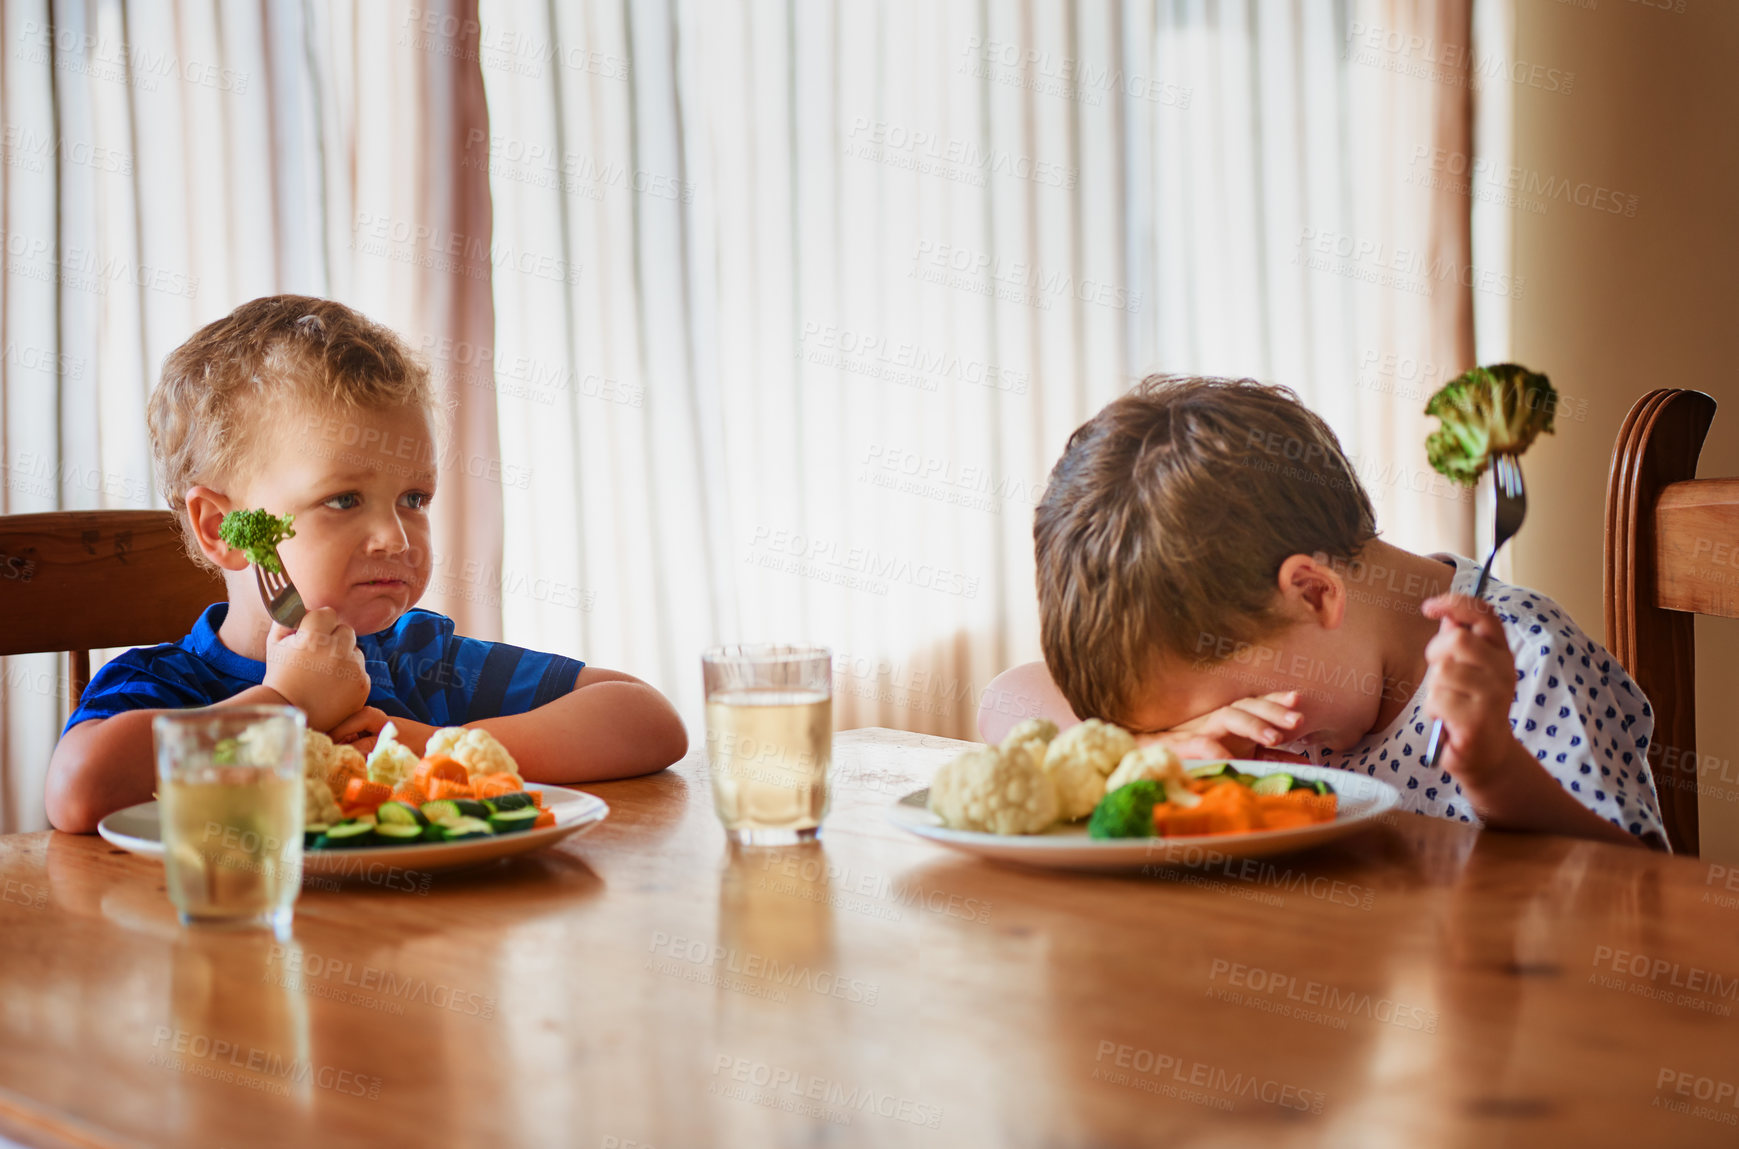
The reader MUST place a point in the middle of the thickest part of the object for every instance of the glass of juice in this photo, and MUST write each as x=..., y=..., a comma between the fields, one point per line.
x=769, y=740
x=230, y=800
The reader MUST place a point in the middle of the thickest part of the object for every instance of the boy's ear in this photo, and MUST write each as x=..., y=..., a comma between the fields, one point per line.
x=205, y=511
x=1312, y=587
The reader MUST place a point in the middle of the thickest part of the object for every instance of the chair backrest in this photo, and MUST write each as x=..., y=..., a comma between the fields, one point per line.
x=84, y=580
x=1672, y=553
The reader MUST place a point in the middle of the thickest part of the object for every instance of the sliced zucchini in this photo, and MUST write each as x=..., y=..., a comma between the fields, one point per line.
x=1244, y=779
x=459, y=828
x=311, y=833
x=1212, y=770
x=1276, y=783
x=440, y=808
x=471, y=808
x=512, y=800
x=507, y=821
x=398, y=833
x=1321, y=787
x=346, y=835
x=401, y=813
x=433, y=833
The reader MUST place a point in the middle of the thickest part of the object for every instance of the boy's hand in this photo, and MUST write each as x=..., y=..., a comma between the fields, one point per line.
x=1235, y=730
x=360, y=729
x=318, y=668
x=1473, y=682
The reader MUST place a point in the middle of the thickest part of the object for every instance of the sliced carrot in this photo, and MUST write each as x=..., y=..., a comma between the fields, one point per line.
x=490, y=785
x=1227, y=808
x=440, y=788
x=1313, y=806
x=362, y=792
x=537, y=798
x=1173, y=821
x=1234, y=808
x=410, y=791
x=1286, y=819
x=440, y=766
x=544, y=820
x=339, y=777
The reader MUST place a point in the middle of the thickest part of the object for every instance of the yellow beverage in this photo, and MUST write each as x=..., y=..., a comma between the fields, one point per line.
x=768, y=751
x=232, y=842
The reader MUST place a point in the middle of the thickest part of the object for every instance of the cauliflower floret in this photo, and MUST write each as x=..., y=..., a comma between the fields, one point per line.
x=261, y=744
x=320, y=757
x=325, y=759
x=391, y=761
x=319, y=807
x=1040, y=730
x=1159, y=764
x=475, y=749
x=995, y=790
x=1078, y=760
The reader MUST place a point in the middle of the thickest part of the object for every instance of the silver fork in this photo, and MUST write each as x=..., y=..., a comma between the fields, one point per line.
x=1509, y=507
x=283, y=601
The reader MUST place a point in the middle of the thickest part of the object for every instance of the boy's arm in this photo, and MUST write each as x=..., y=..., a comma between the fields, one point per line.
x=1472, y=685
x=1248, y=728
x=611, y=725
x=1522, y=795
x=1025, y=691
x=107, y=764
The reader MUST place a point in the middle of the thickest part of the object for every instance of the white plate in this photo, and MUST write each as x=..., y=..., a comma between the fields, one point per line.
x=138, y=829
x=1067, y=847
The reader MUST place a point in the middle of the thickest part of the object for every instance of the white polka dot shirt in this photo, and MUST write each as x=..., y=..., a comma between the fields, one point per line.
x=1575, y=710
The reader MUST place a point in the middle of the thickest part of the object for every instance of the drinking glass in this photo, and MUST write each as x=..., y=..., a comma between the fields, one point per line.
x=230, y=800
x=769, y=740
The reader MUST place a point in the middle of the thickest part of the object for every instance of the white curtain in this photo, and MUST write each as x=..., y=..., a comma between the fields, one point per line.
x=794, y=303
x=166, y=160
x=807, y=297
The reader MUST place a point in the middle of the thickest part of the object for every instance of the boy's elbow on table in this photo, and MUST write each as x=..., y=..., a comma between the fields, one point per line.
x=616, y=728
x=71, y=792
x=68, y=811
x=1024, y=691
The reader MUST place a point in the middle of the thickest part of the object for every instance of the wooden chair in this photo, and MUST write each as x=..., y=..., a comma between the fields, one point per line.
x=1672, y=553
x=85, y=580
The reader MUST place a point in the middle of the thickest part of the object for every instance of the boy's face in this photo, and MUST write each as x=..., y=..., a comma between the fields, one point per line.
x=1339, y=681
x=359, y=482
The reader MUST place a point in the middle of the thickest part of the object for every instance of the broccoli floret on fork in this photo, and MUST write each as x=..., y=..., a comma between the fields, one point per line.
x=1496, y=410
x=257, y=534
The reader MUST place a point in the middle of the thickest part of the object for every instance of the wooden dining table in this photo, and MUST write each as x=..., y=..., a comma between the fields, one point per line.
x=644, y=986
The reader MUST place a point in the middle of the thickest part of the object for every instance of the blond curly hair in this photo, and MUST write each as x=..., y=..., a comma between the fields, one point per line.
x=221, y=389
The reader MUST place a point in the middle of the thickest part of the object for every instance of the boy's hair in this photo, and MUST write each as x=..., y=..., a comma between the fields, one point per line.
x=1164, y=524
x=220, y=388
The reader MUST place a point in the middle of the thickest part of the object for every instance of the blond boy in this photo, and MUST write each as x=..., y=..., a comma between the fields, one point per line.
x=302, y=406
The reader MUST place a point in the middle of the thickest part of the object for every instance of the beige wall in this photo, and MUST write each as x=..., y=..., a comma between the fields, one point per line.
x=1616, y=306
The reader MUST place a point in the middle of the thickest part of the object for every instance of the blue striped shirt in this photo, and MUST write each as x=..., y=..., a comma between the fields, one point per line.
x=418, y=669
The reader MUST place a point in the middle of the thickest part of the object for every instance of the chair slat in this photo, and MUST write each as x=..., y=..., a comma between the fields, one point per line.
x=83, y=580
x=1656, y=456
x=1697, y=547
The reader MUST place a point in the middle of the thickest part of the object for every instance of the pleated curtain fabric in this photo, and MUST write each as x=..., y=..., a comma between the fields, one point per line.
x=805, y=298
x=755, y=321
x=166, y=160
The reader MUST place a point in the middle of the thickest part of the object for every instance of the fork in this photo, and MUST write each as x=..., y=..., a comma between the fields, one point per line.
x=1509, y=507
x=283, y=601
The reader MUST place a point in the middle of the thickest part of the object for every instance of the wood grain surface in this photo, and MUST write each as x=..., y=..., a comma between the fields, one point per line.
x=642, y=986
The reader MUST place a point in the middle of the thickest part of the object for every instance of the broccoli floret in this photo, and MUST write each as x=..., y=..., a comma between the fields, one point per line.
x=1126, y=812
x=1497, y=410
x=257, y=535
